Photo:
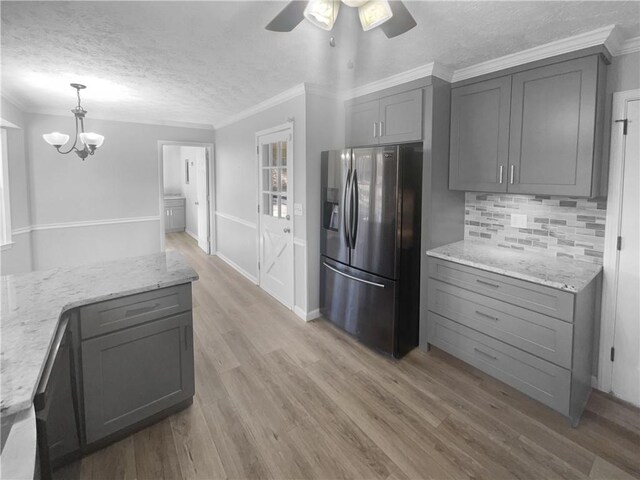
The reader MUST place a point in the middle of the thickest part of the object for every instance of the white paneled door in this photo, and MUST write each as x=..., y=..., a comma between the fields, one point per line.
x=625, y=382
x=275, y=157
x=202, y=202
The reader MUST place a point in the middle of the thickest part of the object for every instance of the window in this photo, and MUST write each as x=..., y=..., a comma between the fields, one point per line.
x=5, y=210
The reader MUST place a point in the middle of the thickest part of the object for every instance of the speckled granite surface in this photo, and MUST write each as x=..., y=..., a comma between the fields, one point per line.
x=32, y=304
x=564, y=274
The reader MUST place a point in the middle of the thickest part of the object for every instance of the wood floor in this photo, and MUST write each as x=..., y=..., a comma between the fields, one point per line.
x=280, y=398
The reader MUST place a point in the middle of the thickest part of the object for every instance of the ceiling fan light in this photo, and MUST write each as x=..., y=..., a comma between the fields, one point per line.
x=56, y=139
x=322, y=13
x=92, y=139
x=374, y=13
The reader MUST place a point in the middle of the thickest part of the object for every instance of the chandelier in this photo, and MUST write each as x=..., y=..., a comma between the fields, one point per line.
x=89, y=141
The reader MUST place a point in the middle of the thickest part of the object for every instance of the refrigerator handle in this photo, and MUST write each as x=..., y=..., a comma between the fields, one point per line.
x=354, y=206
x=352, y=277
x=346, y=214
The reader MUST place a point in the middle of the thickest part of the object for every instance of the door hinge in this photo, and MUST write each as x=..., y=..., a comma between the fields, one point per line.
x=613, y=353
x=625, y=123
x=619, y=243
x=258, y=208
x=258, y=265
x=257, y=149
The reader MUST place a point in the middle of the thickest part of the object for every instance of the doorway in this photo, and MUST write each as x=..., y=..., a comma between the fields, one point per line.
x=620, y=332
x=185, y=191
x=275, y=225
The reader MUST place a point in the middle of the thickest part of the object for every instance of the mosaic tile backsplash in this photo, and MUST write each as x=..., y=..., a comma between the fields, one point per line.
x=557, y=226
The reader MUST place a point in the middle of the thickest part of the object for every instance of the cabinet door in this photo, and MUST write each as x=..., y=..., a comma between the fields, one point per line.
x=178, y=218
x=401, y=117
x=362, y=124
x=479, y=145
x=552, y=128
x=134, y=373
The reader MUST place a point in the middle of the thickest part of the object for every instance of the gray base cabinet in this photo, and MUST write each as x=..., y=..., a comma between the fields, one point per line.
x=535, y=338
x=538, y=131
x=132, y=374
x=175, y=215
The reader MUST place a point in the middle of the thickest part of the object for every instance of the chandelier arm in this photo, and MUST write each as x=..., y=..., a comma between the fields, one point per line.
x=73, y=147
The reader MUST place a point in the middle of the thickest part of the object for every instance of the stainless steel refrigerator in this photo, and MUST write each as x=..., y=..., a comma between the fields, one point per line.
x=370, y=244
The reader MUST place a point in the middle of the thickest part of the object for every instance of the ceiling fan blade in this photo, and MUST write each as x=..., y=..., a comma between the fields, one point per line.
x=401, y=22
x=288, y=18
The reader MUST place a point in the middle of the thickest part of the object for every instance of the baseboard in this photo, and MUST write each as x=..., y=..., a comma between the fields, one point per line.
x=237, y=268
x=306, y=316
x=191, y=234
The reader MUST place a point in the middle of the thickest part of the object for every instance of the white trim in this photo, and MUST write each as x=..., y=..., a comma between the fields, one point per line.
x=306, y=316
x=631, y=45
x=265, y=105
x=236, y=219
x=551, y=49
x=400, y=78
x=300, y=242
x=612, y=230
x=191, y=234
x=6, y=190
x=21, y=230
x=7, y=246
x=90, y=223
x=237, y=268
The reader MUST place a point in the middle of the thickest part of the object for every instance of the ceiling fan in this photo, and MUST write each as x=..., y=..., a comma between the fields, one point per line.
x=390, y=15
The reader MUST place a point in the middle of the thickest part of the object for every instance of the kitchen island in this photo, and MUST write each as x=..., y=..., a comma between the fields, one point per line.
x=90, y=308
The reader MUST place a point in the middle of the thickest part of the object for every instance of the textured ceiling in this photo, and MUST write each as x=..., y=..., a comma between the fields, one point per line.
x=202, y=62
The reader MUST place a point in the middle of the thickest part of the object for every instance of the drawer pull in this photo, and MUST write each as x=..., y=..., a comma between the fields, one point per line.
x=485, y=354
x=484, y=282
x=486, y=315
x=139, y=311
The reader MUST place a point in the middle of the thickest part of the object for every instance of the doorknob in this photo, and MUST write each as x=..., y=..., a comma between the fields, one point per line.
x=288, y=217
x=197, y=203
x=287, y=230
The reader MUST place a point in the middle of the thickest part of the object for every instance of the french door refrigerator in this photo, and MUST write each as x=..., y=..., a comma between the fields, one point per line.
x=370, y=244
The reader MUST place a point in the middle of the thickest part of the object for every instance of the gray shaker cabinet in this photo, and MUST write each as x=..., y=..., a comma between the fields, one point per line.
x=553, y=123
x=541, y=128
x=479, y=142
x=131, y=374
x=391, y=119
x=175, y=219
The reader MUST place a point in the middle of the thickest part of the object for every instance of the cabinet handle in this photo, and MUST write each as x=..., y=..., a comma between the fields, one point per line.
x=501, y=171
x=486, y=315
x=511, y=175
x=485, y=354
x=375, y=129
x=484, y=282
x=139, y=311
x=381, y=126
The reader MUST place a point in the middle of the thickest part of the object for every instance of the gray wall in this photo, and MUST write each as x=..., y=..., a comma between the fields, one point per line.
x=236, y=183
x=119, y=183
x=17, y=257
x=325, y=131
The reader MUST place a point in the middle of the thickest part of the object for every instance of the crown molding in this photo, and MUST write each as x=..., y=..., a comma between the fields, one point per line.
x=551, y=49
x=427, y=70
x=143, y=121
x=265, y=105
x=631, y=45
x=19, y=104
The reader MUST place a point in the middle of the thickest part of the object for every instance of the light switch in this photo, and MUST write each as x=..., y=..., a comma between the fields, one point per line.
x=518, y=220
x=297, y=209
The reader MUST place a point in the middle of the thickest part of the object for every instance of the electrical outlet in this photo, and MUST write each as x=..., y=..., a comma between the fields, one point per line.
x=518, y=220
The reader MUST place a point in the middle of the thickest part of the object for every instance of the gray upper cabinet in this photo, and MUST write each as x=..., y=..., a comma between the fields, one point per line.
x=401, y=117
x=362, y=123
x=553, y=119
x=391, y=119
x=479, y=149
x=534, y=132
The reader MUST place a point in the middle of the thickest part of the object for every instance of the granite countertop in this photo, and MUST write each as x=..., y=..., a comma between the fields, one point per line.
x=564, y=274
x=32, y=304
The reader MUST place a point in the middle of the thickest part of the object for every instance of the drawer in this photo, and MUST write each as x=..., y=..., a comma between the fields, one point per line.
x=541, y=380
x=545, y=300
x=538, y=334
x=124, y=312
x=174, y=202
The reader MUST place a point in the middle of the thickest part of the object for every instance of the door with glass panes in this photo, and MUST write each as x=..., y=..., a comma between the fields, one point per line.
x=275, y=156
